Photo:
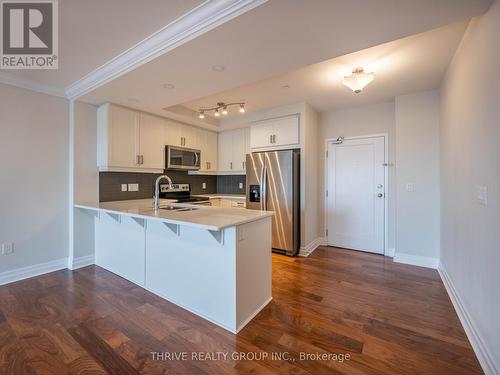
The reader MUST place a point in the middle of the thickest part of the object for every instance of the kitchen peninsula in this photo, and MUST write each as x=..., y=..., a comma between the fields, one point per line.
x=201, y=258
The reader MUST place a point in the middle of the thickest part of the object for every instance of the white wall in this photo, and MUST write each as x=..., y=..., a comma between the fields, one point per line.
x=372, y=119
x=417, y=163
x=470, y=157
x=33, y=177
x=86, y=176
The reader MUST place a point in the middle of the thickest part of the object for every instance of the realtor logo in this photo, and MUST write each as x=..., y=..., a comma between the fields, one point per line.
x=29, y=37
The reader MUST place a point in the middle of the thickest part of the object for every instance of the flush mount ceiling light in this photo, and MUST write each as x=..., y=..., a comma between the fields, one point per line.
x=220, y=105
x=358, y=80
x=218, y=68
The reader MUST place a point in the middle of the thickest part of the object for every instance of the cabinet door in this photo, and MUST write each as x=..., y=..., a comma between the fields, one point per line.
x=172, y=133
x=260, y=135
x=151, y=141
x=202, y=145
x=189, y=137
x=286, y=131
x=211, y=150
x=225, y=151
x=239, y=147
x=123, y=138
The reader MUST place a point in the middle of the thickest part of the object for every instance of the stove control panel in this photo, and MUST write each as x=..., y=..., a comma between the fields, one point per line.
x=177, y=188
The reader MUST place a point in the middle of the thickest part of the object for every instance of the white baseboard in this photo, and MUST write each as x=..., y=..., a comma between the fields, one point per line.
x=416, y=260
x=249, y=319
x=483, y=354
x=32, y=271
x=390, y=252
x=82, y=262
x=307, y=250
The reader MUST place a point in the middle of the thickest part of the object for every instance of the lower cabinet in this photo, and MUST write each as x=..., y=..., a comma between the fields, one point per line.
x=119, y=246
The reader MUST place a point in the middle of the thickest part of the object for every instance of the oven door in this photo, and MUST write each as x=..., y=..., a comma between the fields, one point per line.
x=181, y=158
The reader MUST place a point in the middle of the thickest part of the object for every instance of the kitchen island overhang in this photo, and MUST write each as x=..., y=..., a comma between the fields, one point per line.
x=213, y=262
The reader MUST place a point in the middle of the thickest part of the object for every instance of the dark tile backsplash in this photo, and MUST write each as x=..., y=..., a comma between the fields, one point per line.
x=231, y=184
x=110, y=184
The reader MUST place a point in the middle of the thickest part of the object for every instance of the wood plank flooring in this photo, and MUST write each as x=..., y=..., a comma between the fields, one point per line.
x=388, y=318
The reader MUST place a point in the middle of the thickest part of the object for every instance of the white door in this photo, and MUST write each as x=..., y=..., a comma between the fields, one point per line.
x=356, y=194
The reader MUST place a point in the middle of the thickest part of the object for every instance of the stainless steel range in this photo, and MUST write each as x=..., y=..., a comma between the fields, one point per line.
x=181, y=193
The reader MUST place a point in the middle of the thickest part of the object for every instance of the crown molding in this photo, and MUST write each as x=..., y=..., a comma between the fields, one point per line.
x=198, y=21
x=11, y=80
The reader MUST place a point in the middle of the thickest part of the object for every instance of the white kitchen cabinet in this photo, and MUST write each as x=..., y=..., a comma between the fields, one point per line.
x=128, y=140
x=232, y=151
x=207, y=142
x=177, y=134
x=151, y=141
x=173, y=136
x=275, y=133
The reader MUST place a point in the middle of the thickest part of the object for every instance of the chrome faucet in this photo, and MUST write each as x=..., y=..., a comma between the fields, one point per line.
x=156, y=197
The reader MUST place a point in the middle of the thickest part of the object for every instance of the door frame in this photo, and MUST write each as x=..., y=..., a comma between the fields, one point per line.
x=386, y=182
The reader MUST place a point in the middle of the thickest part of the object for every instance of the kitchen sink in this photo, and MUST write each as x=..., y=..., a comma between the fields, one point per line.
x=179, y=208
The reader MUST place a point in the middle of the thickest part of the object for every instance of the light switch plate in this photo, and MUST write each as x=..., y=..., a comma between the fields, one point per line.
x=7, y=248
x=124, y=187
x=133, y=187
x=482, y=195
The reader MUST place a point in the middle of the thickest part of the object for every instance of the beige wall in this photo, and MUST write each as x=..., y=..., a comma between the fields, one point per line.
x=470, y=158
x=353, y=122
x=33, y=177
x=86, y=176
x=417, y=163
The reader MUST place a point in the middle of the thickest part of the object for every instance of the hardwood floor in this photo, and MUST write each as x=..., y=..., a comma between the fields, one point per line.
x=389, y=318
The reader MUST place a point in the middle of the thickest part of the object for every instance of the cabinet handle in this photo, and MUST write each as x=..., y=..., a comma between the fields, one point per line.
x=231, y=165
x=137, y=160
x=274, y=138
x=243, y=164
x=142, y=159
x=271, y=138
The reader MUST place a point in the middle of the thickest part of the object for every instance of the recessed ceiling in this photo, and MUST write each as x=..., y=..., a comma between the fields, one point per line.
x=92, y=32
x=274, y=38
x=406, y=65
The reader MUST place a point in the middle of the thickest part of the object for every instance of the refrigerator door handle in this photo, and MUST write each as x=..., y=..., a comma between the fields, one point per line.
x=264, y=191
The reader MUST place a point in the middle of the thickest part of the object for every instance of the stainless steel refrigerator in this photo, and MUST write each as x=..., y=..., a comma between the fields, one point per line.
x=273, y=184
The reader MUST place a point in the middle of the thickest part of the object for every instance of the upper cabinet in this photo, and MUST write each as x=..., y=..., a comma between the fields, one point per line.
x=129, y=140
x=278, y=133
x=233, y=147
x=177, y=134
x=207, y=143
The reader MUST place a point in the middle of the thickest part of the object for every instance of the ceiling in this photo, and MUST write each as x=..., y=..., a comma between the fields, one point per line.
x=277, y=37
x=92, y=32
x=410, y=64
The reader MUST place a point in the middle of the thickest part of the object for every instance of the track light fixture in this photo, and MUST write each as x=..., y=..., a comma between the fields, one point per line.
x=223, y=107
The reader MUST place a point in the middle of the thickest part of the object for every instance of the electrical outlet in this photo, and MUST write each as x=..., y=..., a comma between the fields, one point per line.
x=203, y=185
x=241, y=185
x=133, y=187
x=7, y=248
x=124, y=187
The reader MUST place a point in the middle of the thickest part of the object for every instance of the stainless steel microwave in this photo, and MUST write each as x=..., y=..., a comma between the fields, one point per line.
x=182, y=158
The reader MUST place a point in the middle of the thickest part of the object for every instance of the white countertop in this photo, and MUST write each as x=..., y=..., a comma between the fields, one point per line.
x=205, y=217
x=223, y=196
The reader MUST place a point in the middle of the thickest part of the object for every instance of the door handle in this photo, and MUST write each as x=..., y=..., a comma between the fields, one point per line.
x=380, y=195
x=262, y=189
x=264, y=194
